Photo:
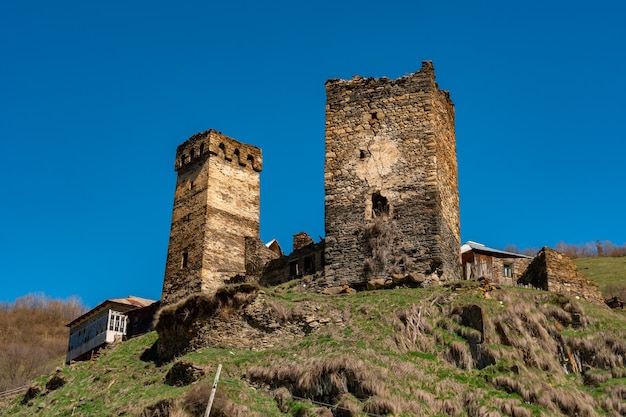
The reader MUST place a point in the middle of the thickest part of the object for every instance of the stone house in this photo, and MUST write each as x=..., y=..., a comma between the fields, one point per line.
x=111, y=321
x=306, y=259
x=497, y=266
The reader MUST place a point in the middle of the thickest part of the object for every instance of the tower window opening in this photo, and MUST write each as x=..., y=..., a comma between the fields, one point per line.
x=380, y=205
x=192, y=153
x=185, y=260
x=201, y=149
x=362, y=154
x=374, y=115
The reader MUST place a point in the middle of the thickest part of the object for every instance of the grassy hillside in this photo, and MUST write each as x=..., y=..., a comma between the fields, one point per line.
x=608, y=273
x=454, y=351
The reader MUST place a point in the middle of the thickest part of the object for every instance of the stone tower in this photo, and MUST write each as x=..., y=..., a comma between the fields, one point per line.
x=392, y=204
x=216, y=206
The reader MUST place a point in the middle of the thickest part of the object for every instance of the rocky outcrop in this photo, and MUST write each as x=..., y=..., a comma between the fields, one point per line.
x=236, y=317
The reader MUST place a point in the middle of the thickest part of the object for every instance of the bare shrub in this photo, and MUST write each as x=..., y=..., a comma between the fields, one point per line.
x=24, y=352
x=381, y=236
x=412, y=330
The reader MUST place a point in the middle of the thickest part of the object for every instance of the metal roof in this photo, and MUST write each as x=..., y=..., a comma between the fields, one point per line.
x=129, y=303
x=469, y=245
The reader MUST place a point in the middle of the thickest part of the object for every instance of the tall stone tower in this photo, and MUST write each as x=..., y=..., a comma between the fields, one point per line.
x=392, y=204
x=216, y=206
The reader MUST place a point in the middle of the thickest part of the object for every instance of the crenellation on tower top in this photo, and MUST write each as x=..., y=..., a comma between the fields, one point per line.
x=213, y=143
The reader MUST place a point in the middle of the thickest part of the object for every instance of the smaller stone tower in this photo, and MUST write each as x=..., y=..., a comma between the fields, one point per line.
x=216, y=207
x=392, y=203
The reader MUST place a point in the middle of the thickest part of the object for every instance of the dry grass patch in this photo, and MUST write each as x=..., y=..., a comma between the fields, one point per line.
x=323, y=380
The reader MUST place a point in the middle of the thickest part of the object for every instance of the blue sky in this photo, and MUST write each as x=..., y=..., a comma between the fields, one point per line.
x=95, y=97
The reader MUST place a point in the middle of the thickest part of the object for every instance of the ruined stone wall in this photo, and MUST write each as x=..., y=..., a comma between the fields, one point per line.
x=391, y=158
x=304, y=261
x=216, y=205
x=553, y=271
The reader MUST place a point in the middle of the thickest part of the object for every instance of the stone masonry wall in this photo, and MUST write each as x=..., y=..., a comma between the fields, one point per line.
x=391, y=160
x=553, y=271
x=216, y=205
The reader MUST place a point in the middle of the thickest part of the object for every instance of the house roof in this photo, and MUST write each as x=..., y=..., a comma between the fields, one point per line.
x=126, y=304
x=479, y=247
x=275, y=246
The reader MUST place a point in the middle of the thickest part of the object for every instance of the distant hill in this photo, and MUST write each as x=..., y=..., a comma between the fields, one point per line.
x=608, y=272
x=33, y=337
x=460, y=350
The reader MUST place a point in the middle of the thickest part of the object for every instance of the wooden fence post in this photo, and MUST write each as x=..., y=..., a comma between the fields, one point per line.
x=212, y=397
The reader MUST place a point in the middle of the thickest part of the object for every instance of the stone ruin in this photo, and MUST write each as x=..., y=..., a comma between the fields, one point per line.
x=553, y=271
x=391, y=202
x=392, y=206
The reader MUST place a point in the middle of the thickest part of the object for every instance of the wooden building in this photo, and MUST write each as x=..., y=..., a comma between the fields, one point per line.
x=108, y=323
x=497, y=266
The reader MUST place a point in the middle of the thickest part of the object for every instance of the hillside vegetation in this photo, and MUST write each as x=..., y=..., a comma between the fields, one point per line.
x=454, y=351
x=33, y=337
x=608, y=272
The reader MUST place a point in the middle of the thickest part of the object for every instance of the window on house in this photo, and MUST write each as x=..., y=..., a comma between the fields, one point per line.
x=294, y=269
x=507, y=270
x=309, y=264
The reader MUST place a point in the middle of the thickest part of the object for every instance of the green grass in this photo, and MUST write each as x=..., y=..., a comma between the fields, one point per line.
x=367, y=343
x=608, y=273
